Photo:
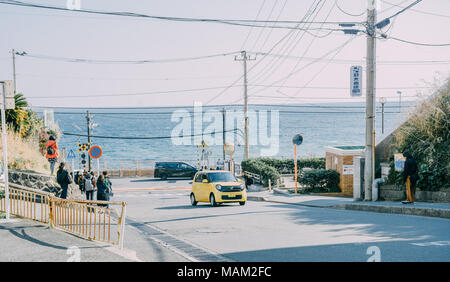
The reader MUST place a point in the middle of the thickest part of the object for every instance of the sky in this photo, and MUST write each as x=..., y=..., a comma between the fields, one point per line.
x=299, y=78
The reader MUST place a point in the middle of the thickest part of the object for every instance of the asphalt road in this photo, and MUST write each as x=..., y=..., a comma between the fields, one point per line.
x=160, y=211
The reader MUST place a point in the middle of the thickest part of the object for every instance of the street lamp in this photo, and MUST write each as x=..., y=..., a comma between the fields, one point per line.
x=382, y=100
x=399, y=101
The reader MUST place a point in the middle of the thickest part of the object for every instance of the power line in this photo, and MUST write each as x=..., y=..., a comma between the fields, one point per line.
x=96, y=61
x=415, y=10
x=258, y=62
x=348, y=61
x=270, y=31
x=405, y=8
x=417, y=43
x=347, y=13
x=325, y=98
x=275, y=63
x=307, y=65
x=131, y=94
x=145, y=138
x=52, y=76
x=238, y=22
x=251, y=28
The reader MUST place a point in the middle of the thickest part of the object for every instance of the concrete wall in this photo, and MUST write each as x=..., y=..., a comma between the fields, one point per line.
x=43, y=182
x=398, y=193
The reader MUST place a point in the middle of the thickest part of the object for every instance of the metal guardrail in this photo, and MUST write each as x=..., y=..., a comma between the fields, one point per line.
x=27, y=203
x=254, y=176
x=91, y=220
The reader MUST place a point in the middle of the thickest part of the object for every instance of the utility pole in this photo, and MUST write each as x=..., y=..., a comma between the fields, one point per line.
x=14, y=69
x=5, y=152
x=245, y=58
x=383, y=101
x=223, y=132
x=370, y=100
x=89, y=125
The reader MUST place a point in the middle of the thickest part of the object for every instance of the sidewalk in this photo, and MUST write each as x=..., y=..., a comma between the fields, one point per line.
x=28, y=241
x=441, y=210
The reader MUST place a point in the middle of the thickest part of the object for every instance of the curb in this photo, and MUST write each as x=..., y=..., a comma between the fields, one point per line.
x=440, y=213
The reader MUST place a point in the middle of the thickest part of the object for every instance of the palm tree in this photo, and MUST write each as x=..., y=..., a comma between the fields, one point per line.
x=19, y=118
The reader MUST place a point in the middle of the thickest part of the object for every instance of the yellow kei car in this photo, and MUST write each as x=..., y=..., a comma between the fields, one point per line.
x=217, y=186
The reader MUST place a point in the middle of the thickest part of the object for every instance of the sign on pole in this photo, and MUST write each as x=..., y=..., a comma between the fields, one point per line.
x=356, y=81
x=9, y=101
x=399, y=161
x=71, y=156
x=296, y=140
x=95, y=152
x=5, y=92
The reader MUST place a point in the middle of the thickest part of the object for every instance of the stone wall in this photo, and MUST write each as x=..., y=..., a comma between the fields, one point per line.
x=43, y=182
x=398, y=193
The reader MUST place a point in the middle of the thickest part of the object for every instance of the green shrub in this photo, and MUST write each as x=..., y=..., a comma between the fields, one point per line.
x=287, y=165
x=264, y=170
x=2, y=194
x=319, y=181
x=426, y=135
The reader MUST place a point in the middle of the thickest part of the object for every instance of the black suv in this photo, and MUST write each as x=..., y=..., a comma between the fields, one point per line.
x=164, y=170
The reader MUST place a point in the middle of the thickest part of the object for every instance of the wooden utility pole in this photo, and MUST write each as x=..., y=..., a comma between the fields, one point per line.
x=89, y=125
x=370, y=100
x=245, y=58
x=223, y=132
x=14, y=68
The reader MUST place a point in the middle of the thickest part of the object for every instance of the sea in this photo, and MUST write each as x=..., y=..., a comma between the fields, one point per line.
x=132, y=137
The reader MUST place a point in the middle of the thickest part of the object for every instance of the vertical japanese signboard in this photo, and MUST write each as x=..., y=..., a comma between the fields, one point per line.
x=356, y=81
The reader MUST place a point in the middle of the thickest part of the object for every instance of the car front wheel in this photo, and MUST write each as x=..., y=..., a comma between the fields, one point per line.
x=241, y=203
x=193, y=201
x=212, y=200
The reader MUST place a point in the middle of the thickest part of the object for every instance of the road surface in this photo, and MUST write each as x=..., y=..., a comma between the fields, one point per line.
x=259, y=231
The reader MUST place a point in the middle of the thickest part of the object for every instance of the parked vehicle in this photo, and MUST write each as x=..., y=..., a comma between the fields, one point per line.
x=217, y=186
x=165, y=170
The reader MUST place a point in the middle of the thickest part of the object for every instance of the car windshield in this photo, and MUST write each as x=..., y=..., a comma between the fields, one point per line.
x=221, y=177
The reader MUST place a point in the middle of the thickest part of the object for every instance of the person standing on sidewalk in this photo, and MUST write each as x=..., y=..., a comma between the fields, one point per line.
x=103, y=188
x=89, y=186
x=52, y=153
x=63, y=178
x=410, y=177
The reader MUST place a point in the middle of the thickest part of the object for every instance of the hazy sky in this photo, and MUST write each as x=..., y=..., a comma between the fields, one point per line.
x=75, y=35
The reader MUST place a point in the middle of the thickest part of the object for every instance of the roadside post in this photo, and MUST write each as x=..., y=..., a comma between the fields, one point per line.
x=96, y=152
x=229, y=150
x=8, y=103
x=71, y=156
x=296, y=140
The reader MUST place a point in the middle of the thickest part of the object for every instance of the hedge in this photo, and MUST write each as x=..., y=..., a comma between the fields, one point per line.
x=319, y=181
x=258, y=167
x=287, y=165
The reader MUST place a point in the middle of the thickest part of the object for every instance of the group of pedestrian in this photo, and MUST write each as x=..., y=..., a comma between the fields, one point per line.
x=88, y=184
x=85, y=180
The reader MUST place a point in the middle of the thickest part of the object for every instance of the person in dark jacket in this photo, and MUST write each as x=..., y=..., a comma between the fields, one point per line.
x=410, y=177
x=103, y=187
x=80, y=180
x=63, y=178
x=248, y=181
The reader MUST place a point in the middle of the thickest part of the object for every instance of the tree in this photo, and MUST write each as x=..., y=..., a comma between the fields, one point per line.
x=20, y=119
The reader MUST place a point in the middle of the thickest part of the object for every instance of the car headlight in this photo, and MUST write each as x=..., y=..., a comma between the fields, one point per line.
x=242, y=187
x=219, y=187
